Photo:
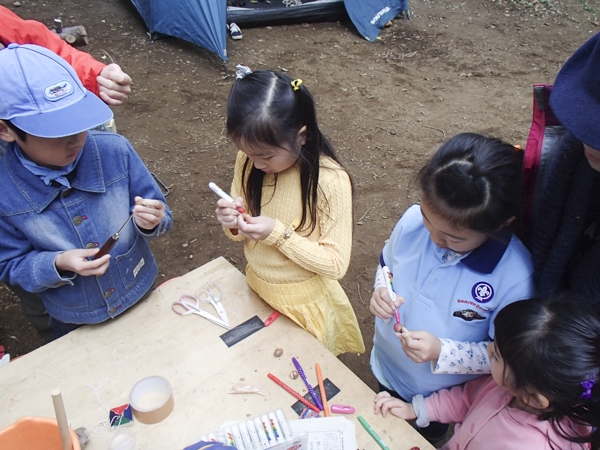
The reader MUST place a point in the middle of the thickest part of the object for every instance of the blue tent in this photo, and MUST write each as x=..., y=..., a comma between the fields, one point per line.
x=204, y=22
x=370, y=16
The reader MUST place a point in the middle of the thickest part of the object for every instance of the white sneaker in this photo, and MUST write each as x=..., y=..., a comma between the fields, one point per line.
x=234, y=31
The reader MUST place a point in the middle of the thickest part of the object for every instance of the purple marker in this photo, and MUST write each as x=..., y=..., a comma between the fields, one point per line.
x=310, y=389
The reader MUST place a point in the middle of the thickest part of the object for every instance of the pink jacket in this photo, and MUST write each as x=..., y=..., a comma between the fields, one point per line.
x=484, y=420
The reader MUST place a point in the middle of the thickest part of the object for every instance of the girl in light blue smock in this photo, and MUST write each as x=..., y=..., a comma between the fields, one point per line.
x=454, y=264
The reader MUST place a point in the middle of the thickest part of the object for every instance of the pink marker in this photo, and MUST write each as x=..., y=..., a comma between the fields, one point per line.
x=224, y=195
x=342, y=409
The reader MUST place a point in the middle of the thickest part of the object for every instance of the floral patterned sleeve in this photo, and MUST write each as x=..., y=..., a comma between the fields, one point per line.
x=467, y=358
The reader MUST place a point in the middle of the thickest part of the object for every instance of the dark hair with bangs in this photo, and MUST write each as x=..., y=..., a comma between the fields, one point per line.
x=550, y=346
x=264, y=109
x=474, y=182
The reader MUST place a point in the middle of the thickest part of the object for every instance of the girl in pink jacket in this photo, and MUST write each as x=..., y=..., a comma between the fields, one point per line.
x=542, y=393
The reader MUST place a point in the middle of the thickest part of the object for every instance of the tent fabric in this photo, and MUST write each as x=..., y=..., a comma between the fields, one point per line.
x=204, y=22
x=370, y=16
x=264, y=14
x=201, y=22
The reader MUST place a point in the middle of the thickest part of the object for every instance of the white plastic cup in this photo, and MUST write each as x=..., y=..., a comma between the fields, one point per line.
x=121, y=439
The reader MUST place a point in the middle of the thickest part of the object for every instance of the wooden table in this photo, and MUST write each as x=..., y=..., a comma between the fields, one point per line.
x=188, y=352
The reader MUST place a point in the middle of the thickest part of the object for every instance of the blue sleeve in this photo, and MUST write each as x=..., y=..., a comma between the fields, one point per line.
x=142, y=184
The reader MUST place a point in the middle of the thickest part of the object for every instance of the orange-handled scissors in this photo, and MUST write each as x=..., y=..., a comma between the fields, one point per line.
x=183, y=307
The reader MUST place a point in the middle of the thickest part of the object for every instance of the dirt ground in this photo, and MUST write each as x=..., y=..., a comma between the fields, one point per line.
x=386, y=106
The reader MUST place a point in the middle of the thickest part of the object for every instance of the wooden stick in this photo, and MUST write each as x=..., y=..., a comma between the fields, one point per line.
x=61, y=419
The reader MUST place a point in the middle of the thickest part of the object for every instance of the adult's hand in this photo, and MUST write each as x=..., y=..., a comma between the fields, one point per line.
x=114, y=85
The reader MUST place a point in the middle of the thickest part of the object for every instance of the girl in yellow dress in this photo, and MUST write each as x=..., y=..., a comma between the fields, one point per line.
x=297, y=228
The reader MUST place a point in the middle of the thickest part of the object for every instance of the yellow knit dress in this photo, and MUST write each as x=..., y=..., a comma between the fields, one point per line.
x=298, y=278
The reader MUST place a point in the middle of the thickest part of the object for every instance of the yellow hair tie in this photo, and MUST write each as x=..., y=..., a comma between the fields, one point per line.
x=296, y=84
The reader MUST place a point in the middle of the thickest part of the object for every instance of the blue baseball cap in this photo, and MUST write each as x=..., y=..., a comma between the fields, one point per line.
x=41, y=94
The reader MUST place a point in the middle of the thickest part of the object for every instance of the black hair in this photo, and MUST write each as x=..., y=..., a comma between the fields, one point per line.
x=551, y=346
x=264, y=109
x=474, y=182
x=20, y=133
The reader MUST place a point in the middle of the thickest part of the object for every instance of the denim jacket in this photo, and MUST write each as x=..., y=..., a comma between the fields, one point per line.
x=38, y=222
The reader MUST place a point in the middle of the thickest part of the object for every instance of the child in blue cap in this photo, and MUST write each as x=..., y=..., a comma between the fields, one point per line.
x=66, y=191
x=565, y=242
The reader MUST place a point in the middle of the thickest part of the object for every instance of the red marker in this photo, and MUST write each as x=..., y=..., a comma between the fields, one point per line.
x=224, y=195
x=269, y=320
x=289, y=390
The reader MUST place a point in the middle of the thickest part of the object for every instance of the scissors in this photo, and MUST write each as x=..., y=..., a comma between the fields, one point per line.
x=213, y=295
x=184, y=307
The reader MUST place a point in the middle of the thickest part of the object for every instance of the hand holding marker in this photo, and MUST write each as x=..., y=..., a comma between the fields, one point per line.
x=224, y=195
x=390, y=288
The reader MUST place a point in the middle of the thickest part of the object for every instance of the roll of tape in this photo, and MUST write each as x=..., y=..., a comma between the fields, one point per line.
x=154, y=407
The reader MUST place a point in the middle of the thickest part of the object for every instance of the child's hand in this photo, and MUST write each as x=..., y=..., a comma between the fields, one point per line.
x=420, y=346
x=385, y=403
x=255, y=228
x=148, y=213
x=227, y=213
x=77, y=261
x=382, y=305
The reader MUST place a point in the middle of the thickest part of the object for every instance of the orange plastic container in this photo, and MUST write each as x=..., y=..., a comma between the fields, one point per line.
x=34, y=433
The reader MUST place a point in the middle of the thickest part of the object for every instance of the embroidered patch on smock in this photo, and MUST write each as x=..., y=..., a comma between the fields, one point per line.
x=138, y=267
x=468, y=315
x=482, y=292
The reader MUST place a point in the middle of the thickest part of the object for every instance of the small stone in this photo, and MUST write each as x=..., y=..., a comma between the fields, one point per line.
x=293, y=374
x=191, y=256
x=16, y=3
x=278, y=352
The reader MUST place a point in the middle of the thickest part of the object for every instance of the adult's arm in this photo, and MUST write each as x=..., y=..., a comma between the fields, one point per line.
x=13, y=29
